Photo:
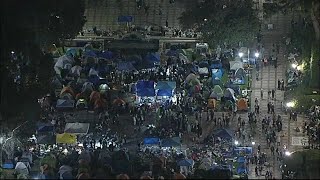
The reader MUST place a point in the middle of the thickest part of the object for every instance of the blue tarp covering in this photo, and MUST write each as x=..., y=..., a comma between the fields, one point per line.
x=45, y=127
x=151, y=141
x=185, y=162
x=223, y=134
x=171, y=142
x=89, y=53
x=172, y=53
x=106, y=55
x=145, y=88
x=125, y=18
x=125, y=66
x=153, y=57
x=62, y=103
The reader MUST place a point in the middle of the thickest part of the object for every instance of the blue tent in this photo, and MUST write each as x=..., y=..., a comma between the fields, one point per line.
x=217, y=73
x=45, y=127
x=151, y=141
x=63, y=103
x=71, y=52
x=145, y=88
x=153, y=57
x=165, y=88
x=89, y=53
x=171, y=142
x=164, y=92
x=172, y=53
x=106, y=55
x=185, y=162
x=223, y=134
x=125, y=66
x=94, y=79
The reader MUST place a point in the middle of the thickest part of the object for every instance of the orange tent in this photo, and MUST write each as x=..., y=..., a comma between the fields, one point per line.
x=118, y=102
x=94, y=96
x=242, y=104
x=100, y=103
x=67, y=89
x=212, y=103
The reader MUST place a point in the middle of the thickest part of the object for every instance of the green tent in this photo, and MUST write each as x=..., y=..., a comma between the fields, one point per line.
x=217, y=92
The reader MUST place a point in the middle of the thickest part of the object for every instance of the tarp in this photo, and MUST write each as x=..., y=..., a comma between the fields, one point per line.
x=66, y=138
x=242, y=105
x=45, y=138
x=125, y=66
x=186, y=162
x=153, y=57
x=62, y=103
x=234, y=65
x=229, y=94
x=171, y=142
x=145, y=88
x=151, y=141
x=77, y=128
x=224, y=134
x=106, y=55
x=45, y=127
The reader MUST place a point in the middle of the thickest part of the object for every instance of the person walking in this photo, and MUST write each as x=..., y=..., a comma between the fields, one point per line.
x=272, y=150
x=282, y=85
x=272, y=93
x=261, y=94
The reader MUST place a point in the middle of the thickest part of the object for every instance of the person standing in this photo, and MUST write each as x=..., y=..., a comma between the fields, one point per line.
x=282, y=85
x=279, y=84
x=261, y=94
x=272, y=93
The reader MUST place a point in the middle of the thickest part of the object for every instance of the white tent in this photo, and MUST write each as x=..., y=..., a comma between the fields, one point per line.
x=234, y=65
x=203, y=70
x=63, y=62
x=21, y=168
x=77, y=128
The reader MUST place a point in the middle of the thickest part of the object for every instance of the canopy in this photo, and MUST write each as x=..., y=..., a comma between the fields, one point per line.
x=153, y=57
x=125, y=66
x=63, y=103
x=66, y=138
x=242, y=105
x=229, y=94
x=145, y=88
x=171, y=142
x=77, y=128
x=151, y=141
x=234, y=65
x=106, y=55
x=186, y=162
x=45, y=127
x=165, y=88
x=223, y=134
x=44, y=138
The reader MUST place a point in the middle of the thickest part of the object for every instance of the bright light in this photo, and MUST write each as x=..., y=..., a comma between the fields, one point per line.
x=240, y=54
x=256, y=54
x=1, y=140
x=236, y=142
x=287, y=153
x=299, y=67
x=294, y=66
x=80, y=145
x=290, y=104
x=253, y=143
x=12, y=52
x=65, y=151
x=205, y=19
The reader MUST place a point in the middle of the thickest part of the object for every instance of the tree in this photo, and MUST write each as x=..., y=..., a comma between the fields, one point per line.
x=28, y=29
x=223, y=21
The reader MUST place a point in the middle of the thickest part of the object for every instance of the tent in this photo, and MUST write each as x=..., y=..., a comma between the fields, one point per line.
x=234, y=65
x=67, y=89
x=21, y=168
x=145, y=88
x=45, y=127
x=63, y=62
x=203, y=70
x=81, y=103
x=95, y=95
x=118, y=102
x=77, y=128
x=89, y=53
x=151, y=141
x=171, y=142
x=184, y=58
x=242, y=105
x=212, y=103
x=100, y=103
x=205, y=166
x=229, y=104
x=65, y=104
x=125, y=66
x=216, y=64
x=103, y=88
x=229, y=94
x=46, y=138
x=71, y=52
x=190, y=77
x=234, y=87
x=87, y=86
x=106, y=55
x=240, y=73
x=153, y=57
x=223, y=134
x=66, y=138
x=165, y=88
x=186, y=162
x=172, y=53
x=182, y=51
x=217, y=73
x=216, y=92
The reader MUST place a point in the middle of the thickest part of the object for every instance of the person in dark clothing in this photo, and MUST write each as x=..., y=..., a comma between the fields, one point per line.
x=279, y=84
x=282, y=85
x=272, y=93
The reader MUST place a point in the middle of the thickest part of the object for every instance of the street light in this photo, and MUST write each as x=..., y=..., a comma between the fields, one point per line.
x=205, y=19
x=287, y=153
x=253, y=143
x=240, y=54
x=256, y=54
x=236, y=142
x=294, y=66
x=290, y=104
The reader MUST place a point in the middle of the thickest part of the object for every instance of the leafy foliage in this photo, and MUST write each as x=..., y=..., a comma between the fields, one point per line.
x=223, y=21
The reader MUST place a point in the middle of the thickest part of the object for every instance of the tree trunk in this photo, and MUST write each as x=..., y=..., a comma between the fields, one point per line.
x=315, y=22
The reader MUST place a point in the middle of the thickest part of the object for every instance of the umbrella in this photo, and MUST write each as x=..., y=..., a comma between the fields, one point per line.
x=118, y=102
x=186, y=162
